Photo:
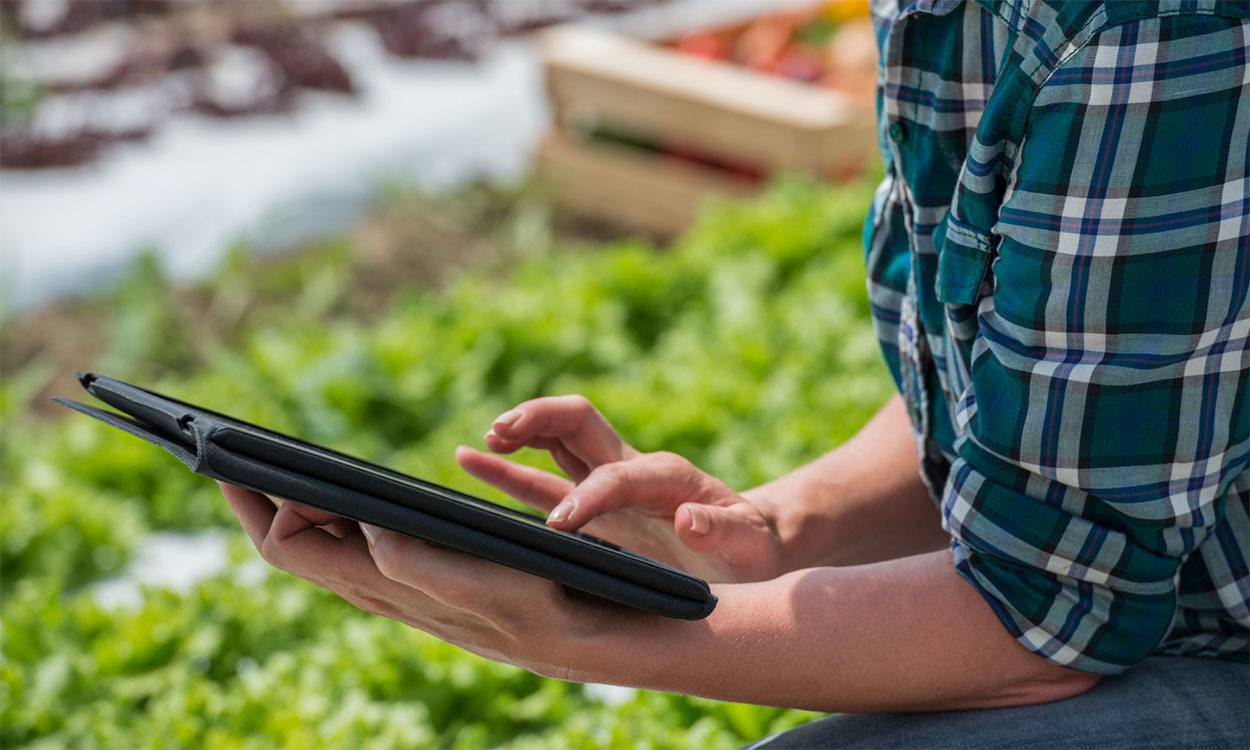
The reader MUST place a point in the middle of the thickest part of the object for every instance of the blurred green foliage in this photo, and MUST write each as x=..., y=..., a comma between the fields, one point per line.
x=745, y=345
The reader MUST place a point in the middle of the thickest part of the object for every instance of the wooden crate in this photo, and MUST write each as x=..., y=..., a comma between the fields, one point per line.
x=602, y=81
x=635, y=190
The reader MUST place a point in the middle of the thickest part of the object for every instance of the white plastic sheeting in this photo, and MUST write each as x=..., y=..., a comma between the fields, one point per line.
x=198, y=184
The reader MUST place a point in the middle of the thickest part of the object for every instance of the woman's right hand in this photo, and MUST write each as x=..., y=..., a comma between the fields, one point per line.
x=657, y=504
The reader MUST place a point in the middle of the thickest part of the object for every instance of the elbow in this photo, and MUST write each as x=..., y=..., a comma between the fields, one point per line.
x=1046, y=684
x=1048, y=689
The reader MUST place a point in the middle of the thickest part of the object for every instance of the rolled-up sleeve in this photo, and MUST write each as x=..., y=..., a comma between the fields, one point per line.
x=1106, y=417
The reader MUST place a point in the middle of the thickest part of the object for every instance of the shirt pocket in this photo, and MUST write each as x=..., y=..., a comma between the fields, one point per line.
x=965, y=255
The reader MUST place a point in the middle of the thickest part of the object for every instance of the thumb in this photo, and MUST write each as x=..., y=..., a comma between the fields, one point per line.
x=736, y=533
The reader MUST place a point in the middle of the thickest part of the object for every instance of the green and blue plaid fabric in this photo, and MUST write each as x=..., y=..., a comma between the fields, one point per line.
x=1059, y=272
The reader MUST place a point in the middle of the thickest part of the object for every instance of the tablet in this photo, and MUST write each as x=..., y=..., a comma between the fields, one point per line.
x=231, y=450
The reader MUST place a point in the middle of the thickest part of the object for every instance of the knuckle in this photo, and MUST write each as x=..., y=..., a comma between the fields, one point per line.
x=581, y=405
x=669, y=460
x=272, y=551
x=386, y=556
x=614, y=473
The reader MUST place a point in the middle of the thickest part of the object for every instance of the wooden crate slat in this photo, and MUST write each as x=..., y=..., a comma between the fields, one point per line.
x=618, y=185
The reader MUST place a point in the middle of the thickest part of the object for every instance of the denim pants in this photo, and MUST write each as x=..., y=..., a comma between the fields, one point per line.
x=1164, y=702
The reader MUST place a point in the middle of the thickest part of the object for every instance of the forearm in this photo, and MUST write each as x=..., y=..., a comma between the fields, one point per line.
x=903, y=635
x=863, y=502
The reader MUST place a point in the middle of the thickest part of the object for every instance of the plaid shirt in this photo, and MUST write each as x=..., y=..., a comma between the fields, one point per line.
x=1059, y=269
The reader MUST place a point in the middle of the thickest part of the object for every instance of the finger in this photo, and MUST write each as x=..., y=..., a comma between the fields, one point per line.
x=654, y=481
x=254, y=511
x=296, y=543
x=534, y=487
x=294, y=517
x=342, y=528
x=571, y=419
x=737, y=533
x=455, y=579
x=574, y=467
x=346, y=567
x=352, y=574
x=500, y=445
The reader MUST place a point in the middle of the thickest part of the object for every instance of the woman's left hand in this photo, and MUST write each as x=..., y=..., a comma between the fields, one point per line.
x=488, y=609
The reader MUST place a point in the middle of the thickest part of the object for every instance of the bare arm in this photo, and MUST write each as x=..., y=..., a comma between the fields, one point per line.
x=903, y=635
x=906, y=634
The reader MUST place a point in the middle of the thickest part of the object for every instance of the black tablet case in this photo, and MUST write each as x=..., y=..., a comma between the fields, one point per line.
x=236, y=452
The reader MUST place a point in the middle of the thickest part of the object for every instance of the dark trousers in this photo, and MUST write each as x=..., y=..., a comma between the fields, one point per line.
x=1164, y=702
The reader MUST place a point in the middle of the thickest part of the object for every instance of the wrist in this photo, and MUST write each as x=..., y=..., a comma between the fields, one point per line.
x=729, y=655
x=617, y=646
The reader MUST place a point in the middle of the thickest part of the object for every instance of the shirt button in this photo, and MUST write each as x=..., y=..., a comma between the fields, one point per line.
x=897, y=133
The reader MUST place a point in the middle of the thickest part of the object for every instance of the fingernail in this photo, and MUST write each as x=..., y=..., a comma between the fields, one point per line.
x=561, y=512
x=508, y=418
x=370, y=531
x=699, y=522
x=489, y=434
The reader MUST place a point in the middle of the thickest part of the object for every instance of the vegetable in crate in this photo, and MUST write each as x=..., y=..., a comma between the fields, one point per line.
x=832, y=45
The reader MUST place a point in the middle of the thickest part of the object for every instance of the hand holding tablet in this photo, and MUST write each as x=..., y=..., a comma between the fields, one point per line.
x=244, y=455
